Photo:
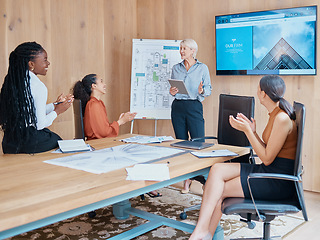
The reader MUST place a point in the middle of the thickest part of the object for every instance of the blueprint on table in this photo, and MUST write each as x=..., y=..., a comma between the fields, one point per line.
x=109, y=159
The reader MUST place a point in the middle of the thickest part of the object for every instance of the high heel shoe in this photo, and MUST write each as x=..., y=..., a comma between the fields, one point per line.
x=184, y=191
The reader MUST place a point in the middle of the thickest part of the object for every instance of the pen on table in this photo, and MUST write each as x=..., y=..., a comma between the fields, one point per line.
x=213, y=150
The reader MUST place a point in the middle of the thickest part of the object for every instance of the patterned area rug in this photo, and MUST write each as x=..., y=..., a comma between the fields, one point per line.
x=171, y=204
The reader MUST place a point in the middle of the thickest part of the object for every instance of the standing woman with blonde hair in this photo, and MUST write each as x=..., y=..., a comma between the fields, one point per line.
x=187, y=110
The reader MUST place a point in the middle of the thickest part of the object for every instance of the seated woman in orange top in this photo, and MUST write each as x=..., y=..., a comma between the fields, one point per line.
x=96, y=122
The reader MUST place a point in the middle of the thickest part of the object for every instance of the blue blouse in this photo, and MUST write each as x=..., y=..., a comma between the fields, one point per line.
x=192, y=78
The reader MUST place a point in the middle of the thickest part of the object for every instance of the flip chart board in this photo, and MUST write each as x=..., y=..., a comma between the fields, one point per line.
x=152, y=62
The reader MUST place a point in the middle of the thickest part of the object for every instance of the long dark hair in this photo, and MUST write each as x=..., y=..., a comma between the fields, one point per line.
x=275, y=88
x=16, y=102
x=82, y=89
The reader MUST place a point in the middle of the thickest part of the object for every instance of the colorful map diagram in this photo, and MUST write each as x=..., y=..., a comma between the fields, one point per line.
x=152, y=62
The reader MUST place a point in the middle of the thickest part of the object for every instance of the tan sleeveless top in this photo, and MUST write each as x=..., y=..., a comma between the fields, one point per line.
x=290, y=145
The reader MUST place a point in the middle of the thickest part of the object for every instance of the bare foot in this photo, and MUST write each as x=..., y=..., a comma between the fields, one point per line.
x=187, y=185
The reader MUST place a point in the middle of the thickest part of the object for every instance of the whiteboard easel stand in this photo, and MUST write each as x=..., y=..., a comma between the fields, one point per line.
x=155, y=125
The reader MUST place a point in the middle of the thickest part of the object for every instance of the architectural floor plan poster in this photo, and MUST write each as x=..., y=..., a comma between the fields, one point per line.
x=152, y=62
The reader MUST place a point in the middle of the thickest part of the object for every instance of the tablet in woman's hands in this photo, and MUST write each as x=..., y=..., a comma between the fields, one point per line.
x=180, y=85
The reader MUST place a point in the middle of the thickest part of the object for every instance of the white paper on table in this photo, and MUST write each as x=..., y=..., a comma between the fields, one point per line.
x=109, y=159
x=74, y=145
x=151, y=172
x=58, y=150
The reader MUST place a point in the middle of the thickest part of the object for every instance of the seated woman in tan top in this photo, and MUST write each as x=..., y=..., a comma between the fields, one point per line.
x=276, y=150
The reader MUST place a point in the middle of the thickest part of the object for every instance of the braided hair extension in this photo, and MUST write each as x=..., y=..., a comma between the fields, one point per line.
x=16, y=102
x=275, y=88
x=82, y=89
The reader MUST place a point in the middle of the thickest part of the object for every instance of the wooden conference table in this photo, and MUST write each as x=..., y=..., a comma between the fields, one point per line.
x=34, y=194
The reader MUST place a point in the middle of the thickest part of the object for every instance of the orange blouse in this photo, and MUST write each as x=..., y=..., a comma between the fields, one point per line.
x=289, y=147
x=96, y=123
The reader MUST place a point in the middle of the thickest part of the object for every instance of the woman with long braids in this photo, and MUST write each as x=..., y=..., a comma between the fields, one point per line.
x=276, y=150
x=25, y=114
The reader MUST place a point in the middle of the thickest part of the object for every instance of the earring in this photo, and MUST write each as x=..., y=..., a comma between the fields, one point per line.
x=32, y=69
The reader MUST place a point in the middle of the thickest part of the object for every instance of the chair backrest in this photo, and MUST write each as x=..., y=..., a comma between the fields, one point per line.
x=300, y=121
x=78, y=119
x=231, y=105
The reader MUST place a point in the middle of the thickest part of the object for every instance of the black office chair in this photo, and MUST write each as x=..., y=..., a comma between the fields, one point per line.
x=79, y=130
x=229, y=105
x=78, y=120
x=266, y=211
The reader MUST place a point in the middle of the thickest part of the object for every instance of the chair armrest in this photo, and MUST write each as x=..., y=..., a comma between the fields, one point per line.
x=202, y=138
x=268, y=175
x=274, y=176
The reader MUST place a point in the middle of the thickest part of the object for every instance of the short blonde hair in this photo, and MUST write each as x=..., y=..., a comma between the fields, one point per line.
x=191, y=44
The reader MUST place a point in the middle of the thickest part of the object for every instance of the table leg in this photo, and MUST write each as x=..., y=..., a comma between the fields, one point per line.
x=119, y=209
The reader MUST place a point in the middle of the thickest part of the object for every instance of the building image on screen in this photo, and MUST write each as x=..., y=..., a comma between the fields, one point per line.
x=271, y=42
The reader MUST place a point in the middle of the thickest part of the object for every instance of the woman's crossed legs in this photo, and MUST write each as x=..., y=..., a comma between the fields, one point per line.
x=223, y=181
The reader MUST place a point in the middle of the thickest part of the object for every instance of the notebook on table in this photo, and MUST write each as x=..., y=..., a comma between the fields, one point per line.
x=192, y=144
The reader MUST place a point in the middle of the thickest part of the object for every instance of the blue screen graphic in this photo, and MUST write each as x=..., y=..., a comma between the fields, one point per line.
x=232, y=45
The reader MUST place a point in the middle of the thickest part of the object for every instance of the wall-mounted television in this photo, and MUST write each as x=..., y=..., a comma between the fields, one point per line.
x=281, y=42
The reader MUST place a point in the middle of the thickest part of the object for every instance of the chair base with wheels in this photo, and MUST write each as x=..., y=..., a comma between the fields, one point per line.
x=269, y=210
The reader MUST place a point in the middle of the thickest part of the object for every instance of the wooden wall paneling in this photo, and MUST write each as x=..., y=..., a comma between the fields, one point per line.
x=168, y=25
x=87, y=40
x=41, y=23
x=173, y=20
x=87, y=35
x=299, y=89
x=3, y=40
x=151, y=21
x=3, y=47
x=109, y=15
x=120, y=28
x=203, y=31
x=315, y=153
x=62, y=48
x=39, y=28
x=27, y=21
x=19, y=24
x=315, y=115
